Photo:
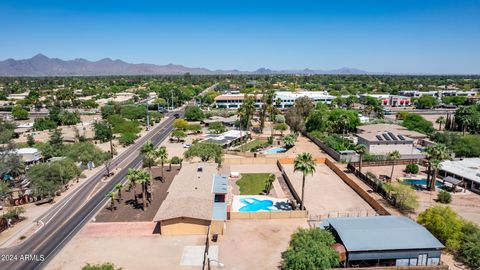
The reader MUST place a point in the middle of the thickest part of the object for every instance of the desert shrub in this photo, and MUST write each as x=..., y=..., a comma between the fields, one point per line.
x=444, y=197
x=127, y=138
x=405, y=197
x=412, y=168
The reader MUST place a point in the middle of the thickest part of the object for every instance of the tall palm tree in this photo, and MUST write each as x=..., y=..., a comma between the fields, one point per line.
x=393, y=156
x=289, y=140
x=269, y=183
x=440, y=121
x=361, y=150
x=118, y=188
x=162, y=154
x=143, y=178
x=112, y=195
x=304, y=162
x=132, y=177
x=435, y=154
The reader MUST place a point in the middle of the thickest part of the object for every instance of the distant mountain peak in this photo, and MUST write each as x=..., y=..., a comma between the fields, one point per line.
x=41, y=65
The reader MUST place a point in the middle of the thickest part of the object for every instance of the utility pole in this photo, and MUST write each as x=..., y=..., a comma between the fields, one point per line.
x=111, y=138
x=148, y=116
x=171, y=93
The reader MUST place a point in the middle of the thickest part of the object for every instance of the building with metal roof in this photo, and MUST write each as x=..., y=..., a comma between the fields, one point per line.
x=385, y=241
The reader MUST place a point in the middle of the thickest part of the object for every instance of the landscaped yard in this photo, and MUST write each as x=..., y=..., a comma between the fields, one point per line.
x=252, y=183
x=253, y=145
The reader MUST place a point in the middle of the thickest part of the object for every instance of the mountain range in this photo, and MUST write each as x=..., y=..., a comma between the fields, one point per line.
x=41, y=65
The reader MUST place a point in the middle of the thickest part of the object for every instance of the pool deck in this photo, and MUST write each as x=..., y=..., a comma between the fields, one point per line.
x=327, y=194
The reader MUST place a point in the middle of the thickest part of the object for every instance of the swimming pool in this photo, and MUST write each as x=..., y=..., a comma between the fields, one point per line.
x=422, y=182
x=259, y=203
x=276, y=150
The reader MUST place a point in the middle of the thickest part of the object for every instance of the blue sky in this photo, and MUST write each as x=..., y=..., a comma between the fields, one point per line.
x=403, y=36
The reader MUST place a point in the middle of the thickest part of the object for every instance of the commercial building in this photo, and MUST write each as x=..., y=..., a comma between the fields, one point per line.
x=283, y=99
x=466, y=170
x=437, y=93
x=390, y=100
x=385, y=241
x=195, y=202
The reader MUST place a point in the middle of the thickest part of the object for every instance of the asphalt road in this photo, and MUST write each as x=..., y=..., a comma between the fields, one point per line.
x=65, y=219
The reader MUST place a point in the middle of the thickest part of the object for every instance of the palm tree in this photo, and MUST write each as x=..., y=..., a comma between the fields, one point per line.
x=393, y=156
x=343, y=122
x=436, y=154
x=112, y=195
x=162, y=154
x=361, y=150
x=440, y=121
x=132, y=177
x=118, y=188
x=289, y=140
x=269, y=183
x=304, y=162
x=143, y=178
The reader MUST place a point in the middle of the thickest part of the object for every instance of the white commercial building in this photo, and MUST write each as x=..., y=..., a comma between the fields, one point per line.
x=437, y=93
x=283, y=99
x=467, y=170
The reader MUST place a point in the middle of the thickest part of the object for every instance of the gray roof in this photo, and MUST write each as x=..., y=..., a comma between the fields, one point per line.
x=220, y=184
x=382, y=233
x=219, y=211
x=451, y=180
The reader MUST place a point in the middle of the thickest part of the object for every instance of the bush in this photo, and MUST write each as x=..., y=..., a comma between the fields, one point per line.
x=19, y=113
x=444, y=224
x=14, y=213
x=412, y=168
x=127, y=138
x=310, y=249
x=104, y=266
x=444, y=197
x=405, y=197
x=44, y=124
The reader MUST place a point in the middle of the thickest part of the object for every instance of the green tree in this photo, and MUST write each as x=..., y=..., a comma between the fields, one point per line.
x=181, y=124
x=426, y=102
x=440, y=121
x=112, y=196
x=361, y=150
x=310, y=249
x=205, y=151
x=295, y=116
x=44, y=124
x=269, y=183
x=143, y=178
x=194, y=128
x=393, y=156
x=118, y=189
x=30, y=140
x=280, y=127
x=412, y=168
x=179, y=134
x=304, y=163
x=217, y=127
x=103, y=131
x=19, y=113
x=444, y=224
x=289, y=140
x=127, y=138
x=435, y=154
x=176, y=160
x=162, y=154
x=444, y=197
x=413, y=121
x=194, y=113
x=56, y=139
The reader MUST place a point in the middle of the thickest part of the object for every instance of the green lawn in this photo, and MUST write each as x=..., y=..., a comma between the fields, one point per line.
x=252, y=183
x=253, y=144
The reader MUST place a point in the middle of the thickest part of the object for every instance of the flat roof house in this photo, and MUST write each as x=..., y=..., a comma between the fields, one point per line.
x=466, y=170
x=385, y=241
x=29, y=155
x=226, y=139
x=195, y=202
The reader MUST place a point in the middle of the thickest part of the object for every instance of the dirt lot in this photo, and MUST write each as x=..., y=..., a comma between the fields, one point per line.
x=128, y=210
x=326, y=193
x=128, y=250
x=256, y=244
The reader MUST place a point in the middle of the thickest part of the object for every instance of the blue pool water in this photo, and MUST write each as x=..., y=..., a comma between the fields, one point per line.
x=275, y=150
x=419, y=182
x=254, y=205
